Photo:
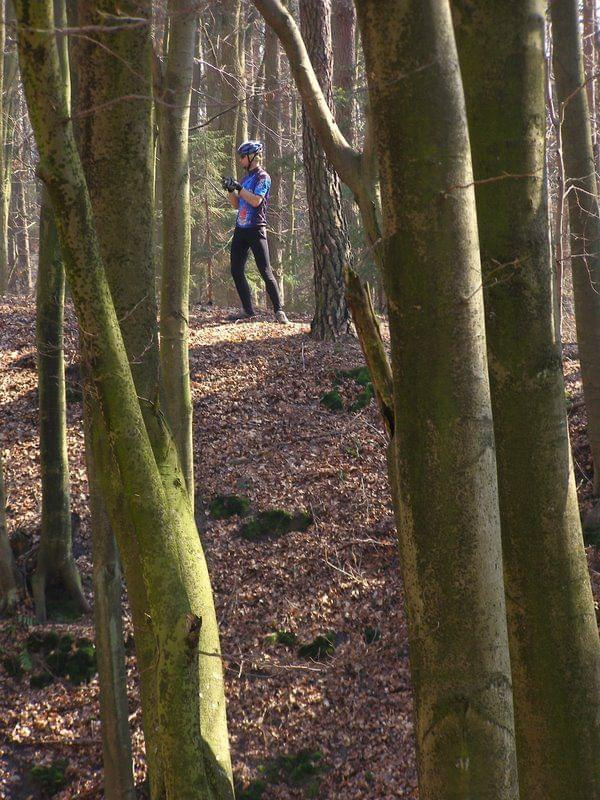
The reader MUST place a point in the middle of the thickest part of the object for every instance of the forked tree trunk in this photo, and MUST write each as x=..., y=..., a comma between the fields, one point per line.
x=164, y=553
x=553, y=636
x=56, y=571
x=449, y=528
x=329, y=231
x=582, y=188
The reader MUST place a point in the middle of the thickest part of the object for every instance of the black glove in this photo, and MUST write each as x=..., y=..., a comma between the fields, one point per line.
x=230, y=185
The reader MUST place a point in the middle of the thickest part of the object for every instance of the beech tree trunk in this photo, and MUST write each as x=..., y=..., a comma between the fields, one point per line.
x=449, y=530
x=173, y=122
x=329, y=231
x=164, y=553
x=581, y=185
x=343, y=28
x=553, y=635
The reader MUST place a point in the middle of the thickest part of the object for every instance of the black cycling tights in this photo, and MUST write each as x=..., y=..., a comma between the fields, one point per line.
x=255, y=239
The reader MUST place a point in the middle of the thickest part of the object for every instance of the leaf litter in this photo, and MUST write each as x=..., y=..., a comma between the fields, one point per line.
x=261, y=433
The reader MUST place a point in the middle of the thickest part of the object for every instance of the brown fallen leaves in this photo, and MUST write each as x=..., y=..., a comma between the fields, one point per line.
x=260, y=431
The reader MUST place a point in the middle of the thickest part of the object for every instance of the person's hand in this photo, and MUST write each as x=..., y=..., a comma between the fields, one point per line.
x=230, y=185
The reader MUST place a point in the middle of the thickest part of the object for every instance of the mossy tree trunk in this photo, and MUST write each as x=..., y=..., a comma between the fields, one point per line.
x=584, y=219
x=173, y=110
x=149, y=485
x=328, y=227
x=56, y=571
x=9, y=587
x=554, y=645
x=449, y=529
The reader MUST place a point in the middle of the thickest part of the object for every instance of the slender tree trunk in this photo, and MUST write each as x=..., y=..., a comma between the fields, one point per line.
x=110, y=649
x=554, y=645
x=329, y=232
x=449, y=529
x=273, y=120
x=23, y=279
x=583, y=206
x=56, y=571
x=9, y=588
x=8, y=76
x=173, y=122
x=343, y=28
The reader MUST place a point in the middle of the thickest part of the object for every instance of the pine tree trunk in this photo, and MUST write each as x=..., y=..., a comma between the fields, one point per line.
x=56, y=571
x=173, y=122
x=584, y=218
x=554, y=646
x=329, y=232
x=9, y=588
x=343, y=29
x=443, y=466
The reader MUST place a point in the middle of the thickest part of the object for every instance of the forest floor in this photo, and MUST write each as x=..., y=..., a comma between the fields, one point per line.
x=334, y=723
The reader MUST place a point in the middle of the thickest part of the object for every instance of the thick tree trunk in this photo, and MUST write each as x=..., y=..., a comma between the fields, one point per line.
x=554, y=646
x=329, y=232
x=173, y=122
x=584, y=217
x=56, y=571
x=9, y=587
x=449, y=527
x=143, y=486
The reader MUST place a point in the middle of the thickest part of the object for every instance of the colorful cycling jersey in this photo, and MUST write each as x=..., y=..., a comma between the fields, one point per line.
x=258, y=182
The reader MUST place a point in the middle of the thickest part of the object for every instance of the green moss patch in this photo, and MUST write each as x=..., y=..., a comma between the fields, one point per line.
x=371, y=635
x=60, y=607
x=274, y=523
x=303, y=769
x=322, y=646
x=224, y=506
x=47, y=656
x=285, y=638
x=49, y=778
x=334, y=401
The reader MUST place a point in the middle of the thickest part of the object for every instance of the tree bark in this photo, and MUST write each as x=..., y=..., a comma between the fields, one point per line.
x=56, y=571
x=329, y=231
x=9, y=587
x=343, y=29
x=449, y=530
x=554, y=646
x=191, y=741
x=273, y=130
x=173, y=122
x=580, y=179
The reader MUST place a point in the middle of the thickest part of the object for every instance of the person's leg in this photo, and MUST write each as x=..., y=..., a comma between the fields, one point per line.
x=260, y=250
x=240, y=248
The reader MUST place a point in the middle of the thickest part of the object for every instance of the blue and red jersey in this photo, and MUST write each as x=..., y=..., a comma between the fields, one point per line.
x=258, y=182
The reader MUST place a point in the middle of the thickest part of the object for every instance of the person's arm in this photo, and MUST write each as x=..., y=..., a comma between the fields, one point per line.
x=253, y=199
x=234, y=200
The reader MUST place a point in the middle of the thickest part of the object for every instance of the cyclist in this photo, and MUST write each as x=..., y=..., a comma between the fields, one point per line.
x=250, y=198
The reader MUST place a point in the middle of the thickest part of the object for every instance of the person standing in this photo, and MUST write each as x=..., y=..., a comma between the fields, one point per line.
x=251, y=198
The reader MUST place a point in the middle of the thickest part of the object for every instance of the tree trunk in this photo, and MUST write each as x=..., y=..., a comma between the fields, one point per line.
x=22, y=277
x=9, y=587
x=173, y=122
x=343, y=28
x=449, y=528
x=329, y=232
x=138, y=468
x=8, y=79
x=583, y=207
x=56, y=571
x=554, y=646
x=273, y=119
